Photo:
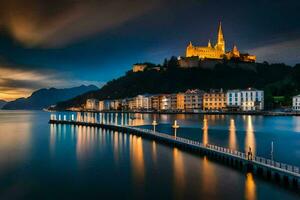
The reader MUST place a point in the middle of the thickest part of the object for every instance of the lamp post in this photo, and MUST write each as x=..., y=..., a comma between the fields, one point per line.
x=154, y=123
x=272, y=151
x=175, y=126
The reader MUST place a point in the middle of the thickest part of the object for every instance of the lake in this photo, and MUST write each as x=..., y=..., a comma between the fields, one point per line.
x=42, y=161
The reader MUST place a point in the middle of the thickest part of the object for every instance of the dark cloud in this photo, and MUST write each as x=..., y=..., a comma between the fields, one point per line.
x=53, y=23
x=16, y=82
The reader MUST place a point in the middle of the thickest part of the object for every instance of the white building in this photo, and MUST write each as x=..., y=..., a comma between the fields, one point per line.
x=143, y=102
x=165, y=102
x=245, y=100
x=92, y=104
x=296, y=103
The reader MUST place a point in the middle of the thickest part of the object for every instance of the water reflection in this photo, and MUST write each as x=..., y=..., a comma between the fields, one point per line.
x=15, y=142
x=137, y=119
x=250, y=137
x=205, y=132
x=250, y=187
x=137, y=159
x=209, y=181
x=154, y=153
x=179, y=177
x=232, y=135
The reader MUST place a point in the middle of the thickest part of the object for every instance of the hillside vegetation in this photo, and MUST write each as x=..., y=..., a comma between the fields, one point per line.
x=277, y=80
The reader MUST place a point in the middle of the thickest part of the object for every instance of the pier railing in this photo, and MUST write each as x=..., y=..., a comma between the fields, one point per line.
x=231, y=152
x=282, y=167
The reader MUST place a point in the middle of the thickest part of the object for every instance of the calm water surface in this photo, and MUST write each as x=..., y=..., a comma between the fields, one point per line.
x=42, y=161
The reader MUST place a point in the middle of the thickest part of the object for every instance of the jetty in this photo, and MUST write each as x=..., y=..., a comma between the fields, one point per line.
x=277, y=171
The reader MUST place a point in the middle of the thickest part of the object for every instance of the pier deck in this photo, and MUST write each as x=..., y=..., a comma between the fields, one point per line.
x=278, y=171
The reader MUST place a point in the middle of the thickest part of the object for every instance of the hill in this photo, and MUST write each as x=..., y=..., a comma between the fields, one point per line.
x=44, y=98
x=275, y=79
x=2, y=103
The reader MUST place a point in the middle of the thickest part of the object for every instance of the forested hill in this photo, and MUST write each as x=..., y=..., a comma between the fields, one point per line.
x=275, y=79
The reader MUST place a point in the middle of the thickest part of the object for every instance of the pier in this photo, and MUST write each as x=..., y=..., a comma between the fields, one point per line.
x=279, y=172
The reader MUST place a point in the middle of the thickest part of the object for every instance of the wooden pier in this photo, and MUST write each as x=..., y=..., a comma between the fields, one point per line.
x=277, y=171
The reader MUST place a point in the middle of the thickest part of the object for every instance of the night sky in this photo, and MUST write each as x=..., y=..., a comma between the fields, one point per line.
x=63, y=43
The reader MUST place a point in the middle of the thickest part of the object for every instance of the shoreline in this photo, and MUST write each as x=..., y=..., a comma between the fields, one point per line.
x=258, y=113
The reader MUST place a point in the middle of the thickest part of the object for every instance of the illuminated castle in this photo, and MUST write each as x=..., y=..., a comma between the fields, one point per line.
x=217, y=51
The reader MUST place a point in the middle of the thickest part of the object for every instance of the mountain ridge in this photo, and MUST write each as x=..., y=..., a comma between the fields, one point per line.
x=45, y=97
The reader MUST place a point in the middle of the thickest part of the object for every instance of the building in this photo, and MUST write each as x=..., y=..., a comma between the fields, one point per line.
x=92, y=104
x=139, y=67
x=180, y=101
x=165, y=102
x=155, y=102
x=115, y=104
x=215, y=100
x=131, y=104
x=216, y=52
x=245, y=100
x=104, y=105
x=296, y=103
x=193, y=100
x=234, y=54
x=143, y=102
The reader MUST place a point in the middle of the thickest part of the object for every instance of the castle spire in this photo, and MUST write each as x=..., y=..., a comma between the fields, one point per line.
x=221, y=41
x=209, y=44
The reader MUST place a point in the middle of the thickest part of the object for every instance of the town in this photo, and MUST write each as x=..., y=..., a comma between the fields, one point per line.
x=193, y=100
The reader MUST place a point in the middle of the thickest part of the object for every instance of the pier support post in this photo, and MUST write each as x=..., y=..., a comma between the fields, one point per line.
x=116, y=119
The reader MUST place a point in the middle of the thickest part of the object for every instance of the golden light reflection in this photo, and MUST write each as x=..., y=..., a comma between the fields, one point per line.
x=232, y=135
x=53, y=132
x=15, y=141
x=179, y=176
x=137, y=159
x=116, y=146
x=250, y=138
x=250, y=187
x=205, y=132
x=154, y=152
x=137, y=120
x=209, y=181
x=85, y=141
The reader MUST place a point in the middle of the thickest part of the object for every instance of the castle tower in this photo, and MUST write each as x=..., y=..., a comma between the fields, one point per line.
x=220, y=41
x=209, y=44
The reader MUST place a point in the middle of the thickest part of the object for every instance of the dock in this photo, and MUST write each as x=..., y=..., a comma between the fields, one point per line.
x=276, y=171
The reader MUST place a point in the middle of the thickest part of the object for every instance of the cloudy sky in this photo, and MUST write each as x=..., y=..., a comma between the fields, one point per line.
x=64, y=43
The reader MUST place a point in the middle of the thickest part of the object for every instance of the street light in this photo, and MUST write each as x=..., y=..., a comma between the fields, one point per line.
x=175, y=126
x=154, y=123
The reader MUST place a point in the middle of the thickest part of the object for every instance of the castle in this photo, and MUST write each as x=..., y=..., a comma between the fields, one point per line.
x=217, y=51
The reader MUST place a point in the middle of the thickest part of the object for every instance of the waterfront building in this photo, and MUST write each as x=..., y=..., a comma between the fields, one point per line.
x=143, y=102
x=193, y=100
x=215, y=100
x=180, y=101
x=115, y=104
x=245, y=100
x=165, y=102
x=296, y=103
x=131, y=104
x=92, y=104
x=155, y=102
x=104, y=105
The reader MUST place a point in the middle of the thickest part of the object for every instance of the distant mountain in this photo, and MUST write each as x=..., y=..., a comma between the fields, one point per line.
x=2, y=103
x=44, y=98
